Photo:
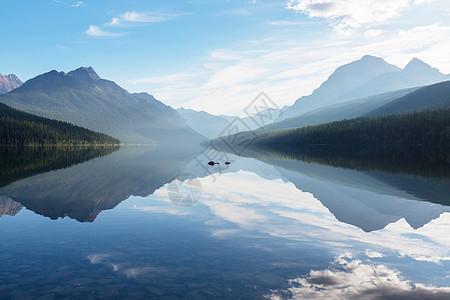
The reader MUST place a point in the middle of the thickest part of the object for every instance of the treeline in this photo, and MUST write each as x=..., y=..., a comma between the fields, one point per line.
x=409, y=143
x=430, y=128
x=19, y=128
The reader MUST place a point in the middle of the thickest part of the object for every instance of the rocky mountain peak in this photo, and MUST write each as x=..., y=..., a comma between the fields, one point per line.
x=85, y=74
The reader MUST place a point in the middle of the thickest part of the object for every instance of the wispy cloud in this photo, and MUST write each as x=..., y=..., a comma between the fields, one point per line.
x=71, y=3
x=342, y=14
x=96, y=31
x=293, y=69
x=132, y=17
x=128, y=19
x=78, y=4
x=290, y=23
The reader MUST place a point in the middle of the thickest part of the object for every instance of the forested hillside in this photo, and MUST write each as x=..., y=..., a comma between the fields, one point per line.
x=20, y=128
x=431, y=127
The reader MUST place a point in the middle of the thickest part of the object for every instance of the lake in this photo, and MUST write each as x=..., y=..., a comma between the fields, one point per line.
x=140, y=222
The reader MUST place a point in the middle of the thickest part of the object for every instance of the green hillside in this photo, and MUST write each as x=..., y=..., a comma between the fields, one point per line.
x=20, y=128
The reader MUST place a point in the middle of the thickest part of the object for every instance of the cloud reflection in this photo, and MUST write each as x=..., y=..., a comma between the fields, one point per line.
x=349, y=278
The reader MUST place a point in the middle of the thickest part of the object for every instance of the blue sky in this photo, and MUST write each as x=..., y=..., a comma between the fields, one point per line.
x=217, y=55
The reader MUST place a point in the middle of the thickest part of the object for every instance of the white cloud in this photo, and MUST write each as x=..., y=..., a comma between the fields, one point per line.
x=373, y=254
x=289, y=23
x=342, y=14
x=353, y=279
x=172, y=210
x=96, y=31
x=78, y=4
x=131, y=17
x=126, y=20
x=231, y=78
x=373, y=32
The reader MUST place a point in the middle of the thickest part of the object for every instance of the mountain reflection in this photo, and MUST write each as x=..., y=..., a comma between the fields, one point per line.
x=82, y=191
x=369, y=199
x=9, y=207
x=21, y=162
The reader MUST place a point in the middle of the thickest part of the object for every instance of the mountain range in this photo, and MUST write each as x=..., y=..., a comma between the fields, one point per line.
x=9, y=82
x=366, y=77
x=406, y=100
x=82, y=98
x=360, y=88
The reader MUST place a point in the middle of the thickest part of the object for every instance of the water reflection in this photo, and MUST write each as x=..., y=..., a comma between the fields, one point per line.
x=349, y=278
x=262, y=227
x=21, y=162
x=9, y=206
x=82, y=191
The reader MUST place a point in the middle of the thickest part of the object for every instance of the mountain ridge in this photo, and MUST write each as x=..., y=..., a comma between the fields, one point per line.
x=82, y=98
x=365, y=77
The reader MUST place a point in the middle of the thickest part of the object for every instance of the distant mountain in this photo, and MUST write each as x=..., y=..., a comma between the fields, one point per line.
x=429, y=97
x=416, y=73
x=213, y=126
x=81, y=97
x=23, y=129
x=340, y=111
x=366, y=77
x=344, y=79
x=205, y=123
x=9, y=82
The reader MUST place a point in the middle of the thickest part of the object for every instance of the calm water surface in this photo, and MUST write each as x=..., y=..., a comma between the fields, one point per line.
x=142, y=223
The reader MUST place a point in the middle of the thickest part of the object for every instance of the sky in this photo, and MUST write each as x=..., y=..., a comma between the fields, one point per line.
x=218, y=55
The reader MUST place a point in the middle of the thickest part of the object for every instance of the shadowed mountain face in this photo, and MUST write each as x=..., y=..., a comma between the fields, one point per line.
x=366, y=77
x=82, y=191
x=82, y=98
x=9, y=82
x=433, y=96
